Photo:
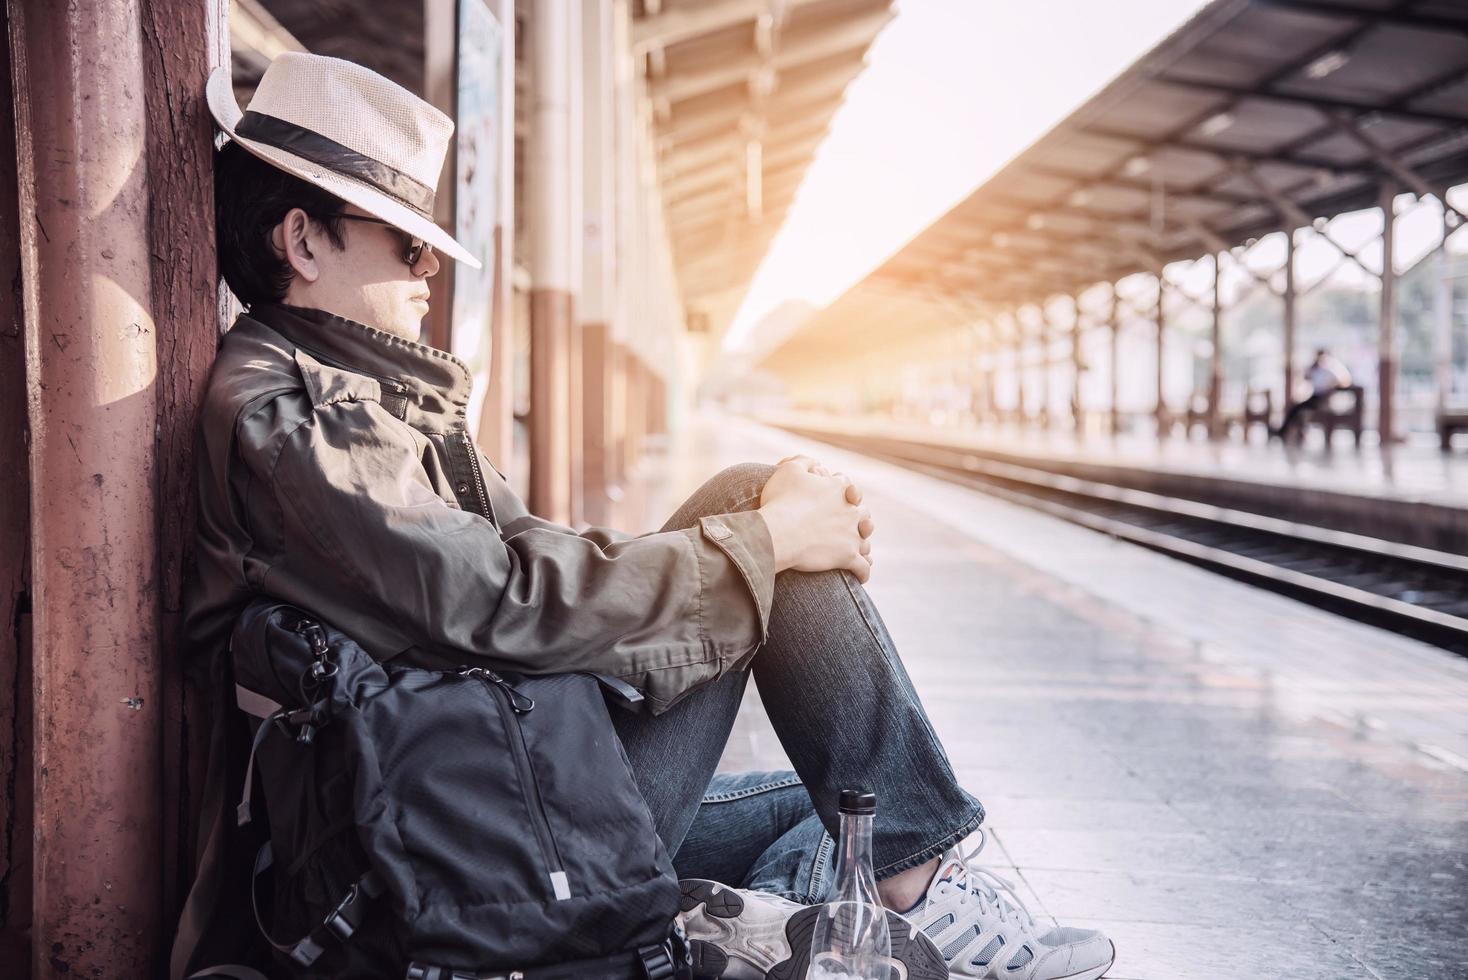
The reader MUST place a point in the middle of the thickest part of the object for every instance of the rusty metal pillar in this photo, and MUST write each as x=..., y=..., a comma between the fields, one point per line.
x=1442, y=325
x=1164, y=424
x=572, y=45
x=1215, y=358
x=15, y=566
x=1387, y=339
x=551, y=314
x=183, y=40
x=618, y=402
x=1113, y=326
x=1077, y=415
x=92, y=383
x=1021, y=410
x=636, y=407
x=1044, y=367
x=1290, y=294
x=598, y=254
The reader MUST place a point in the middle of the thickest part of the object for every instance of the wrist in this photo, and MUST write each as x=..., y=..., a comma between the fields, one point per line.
x=779, y=536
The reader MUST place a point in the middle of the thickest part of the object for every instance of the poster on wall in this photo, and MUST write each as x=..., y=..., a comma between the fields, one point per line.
x=476, y=188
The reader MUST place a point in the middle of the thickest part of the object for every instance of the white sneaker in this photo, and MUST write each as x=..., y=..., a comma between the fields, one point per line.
x=983, y=929
x=738, y=934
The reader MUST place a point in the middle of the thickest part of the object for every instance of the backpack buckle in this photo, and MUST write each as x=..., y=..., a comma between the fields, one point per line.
x=657, y=962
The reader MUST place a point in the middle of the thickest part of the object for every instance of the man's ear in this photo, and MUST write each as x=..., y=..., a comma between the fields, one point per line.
x=292, y=240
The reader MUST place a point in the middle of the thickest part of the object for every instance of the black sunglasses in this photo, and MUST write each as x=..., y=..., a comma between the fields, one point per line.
x=414, y=248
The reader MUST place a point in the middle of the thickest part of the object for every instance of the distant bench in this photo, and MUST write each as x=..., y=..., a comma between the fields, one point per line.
x=1449, y=421
x=1258, y=409
x=1343, y=409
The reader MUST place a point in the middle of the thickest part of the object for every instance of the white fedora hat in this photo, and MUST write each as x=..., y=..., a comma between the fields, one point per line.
x=349, y=131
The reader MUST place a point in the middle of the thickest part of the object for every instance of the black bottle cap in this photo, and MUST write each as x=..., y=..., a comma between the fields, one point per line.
x=858, y=802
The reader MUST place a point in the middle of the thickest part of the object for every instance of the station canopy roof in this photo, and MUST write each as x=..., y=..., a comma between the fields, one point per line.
x=1253, y=117
x=742, y=92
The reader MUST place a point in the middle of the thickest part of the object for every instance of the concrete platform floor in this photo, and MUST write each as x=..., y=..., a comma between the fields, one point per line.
x=1230, y=783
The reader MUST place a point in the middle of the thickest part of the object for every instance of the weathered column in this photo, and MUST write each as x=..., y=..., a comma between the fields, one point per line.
x=1044, y=366
x=598, y=238
x=1113, y=326
x=15, y=570
x=550, y=268
x=1164, y=425
x=1077, y=414
x=636, y=406
x=1215, y=358
x=627, y=181
x=92, y=385
x=184, y=40
x=576, y=492
x=1287, y=396
x=1387, y=338
x=1442, y=333
x=1022, y=410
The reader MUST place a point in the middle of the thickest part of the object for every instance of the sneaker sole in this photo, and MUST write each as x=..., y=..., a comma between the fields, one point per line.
x=1093, y=973
x=914, y=957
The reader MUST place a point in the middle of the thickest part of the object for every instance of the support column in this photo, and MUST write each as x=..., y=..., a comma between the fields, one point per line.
x=575, y=205
x=184, y=40
x=1044, y=366
x=1287, y=399
x=1164, y=420
x=1022, y=412
x=15, y=570
x=1387, y=339
x=1113, y=325
x=1215, y=358
x=1442, y=361
x=551, y=313
x=1077, y=413
x=92, y=385
x=626, y=176
x=598, y=235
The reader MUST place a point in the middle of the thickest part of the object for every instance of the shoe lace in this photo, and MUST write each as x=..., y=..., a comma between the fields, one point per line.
x=995, y=891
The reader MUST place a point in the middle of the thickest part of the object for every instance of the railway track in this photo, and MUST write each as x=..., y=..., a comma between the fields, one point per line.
x=1416, y=591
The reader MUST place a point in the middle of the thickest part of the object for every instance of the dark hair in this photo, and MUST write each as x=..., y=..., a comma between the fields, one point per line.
x=250, y=199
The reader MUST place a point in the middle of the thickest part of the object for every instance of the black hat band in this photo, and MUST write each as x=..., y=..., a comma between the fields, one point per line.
x=342, y=160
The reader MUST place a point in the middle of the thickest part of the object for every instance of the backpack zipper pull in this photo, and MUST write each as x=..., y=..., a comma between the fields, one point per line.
x=519, y=702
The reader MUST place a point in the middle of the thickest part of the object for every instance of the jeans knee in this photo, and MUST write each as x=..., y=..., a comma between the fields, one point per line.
x=741, y=483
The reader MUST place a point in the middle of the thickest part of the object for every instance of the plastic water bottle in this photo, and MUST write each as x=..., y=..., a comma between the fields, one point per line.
x=850, y=941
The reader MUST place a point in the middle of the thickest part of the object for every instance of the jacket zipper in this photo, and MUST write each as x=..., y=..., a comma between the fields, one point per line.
x=480, y=491
x=506, y=696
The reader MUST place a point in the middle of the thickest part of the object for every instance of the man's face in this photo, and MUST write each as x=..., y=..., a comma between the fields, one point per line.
x=366, y=280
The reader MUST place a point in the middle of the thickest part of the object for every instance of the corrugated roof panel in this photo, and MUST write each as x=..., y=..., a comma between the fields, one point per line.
x=1386, y=64
x=1259, y=42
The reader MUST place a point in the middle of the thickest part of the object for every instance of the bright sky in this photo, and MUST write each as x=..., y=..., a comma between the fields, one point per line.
x=953, y=90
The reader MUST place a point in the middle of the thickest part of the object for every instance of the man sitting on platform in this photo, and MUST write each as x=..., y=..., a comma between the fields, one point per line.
x=1326, y=375
x=337, y=474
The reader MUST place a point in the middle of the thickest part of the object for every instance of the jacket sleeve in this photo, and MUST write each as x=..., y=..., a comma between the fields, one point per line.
x=361, y=528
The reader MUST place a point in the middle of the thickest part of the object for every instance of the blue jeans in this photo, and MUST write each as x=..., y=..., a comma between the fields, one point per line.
x=847, y=716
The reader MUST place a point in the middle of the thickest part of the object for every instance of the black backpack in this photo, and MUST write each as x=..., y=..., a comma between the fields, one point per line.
x=444, y=825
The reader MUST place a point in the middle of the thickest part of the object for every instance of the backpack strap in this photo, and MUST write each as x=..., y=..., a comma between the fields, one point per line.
x=271, y=715
x=666, y=960
x=338, y=926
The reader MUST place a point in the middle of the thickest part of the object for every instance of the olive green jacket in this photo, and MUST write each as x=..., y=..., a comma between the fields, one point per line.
x=336, y=473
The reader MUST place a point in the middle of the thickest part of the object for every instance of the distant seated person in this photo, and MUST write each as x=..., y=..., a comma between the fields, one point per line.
x=1326, y=375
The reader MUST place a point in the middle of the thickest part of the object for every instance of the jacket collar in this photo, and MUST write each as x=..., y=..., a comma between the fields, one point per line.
x=436, y=384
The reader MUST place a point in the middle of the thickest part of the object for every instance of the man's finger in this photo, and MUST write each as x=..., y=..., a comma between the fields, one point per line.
x=866, y=547
x=865, y=527
x=853, y=495
x=861, y=568
x=805, y=461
